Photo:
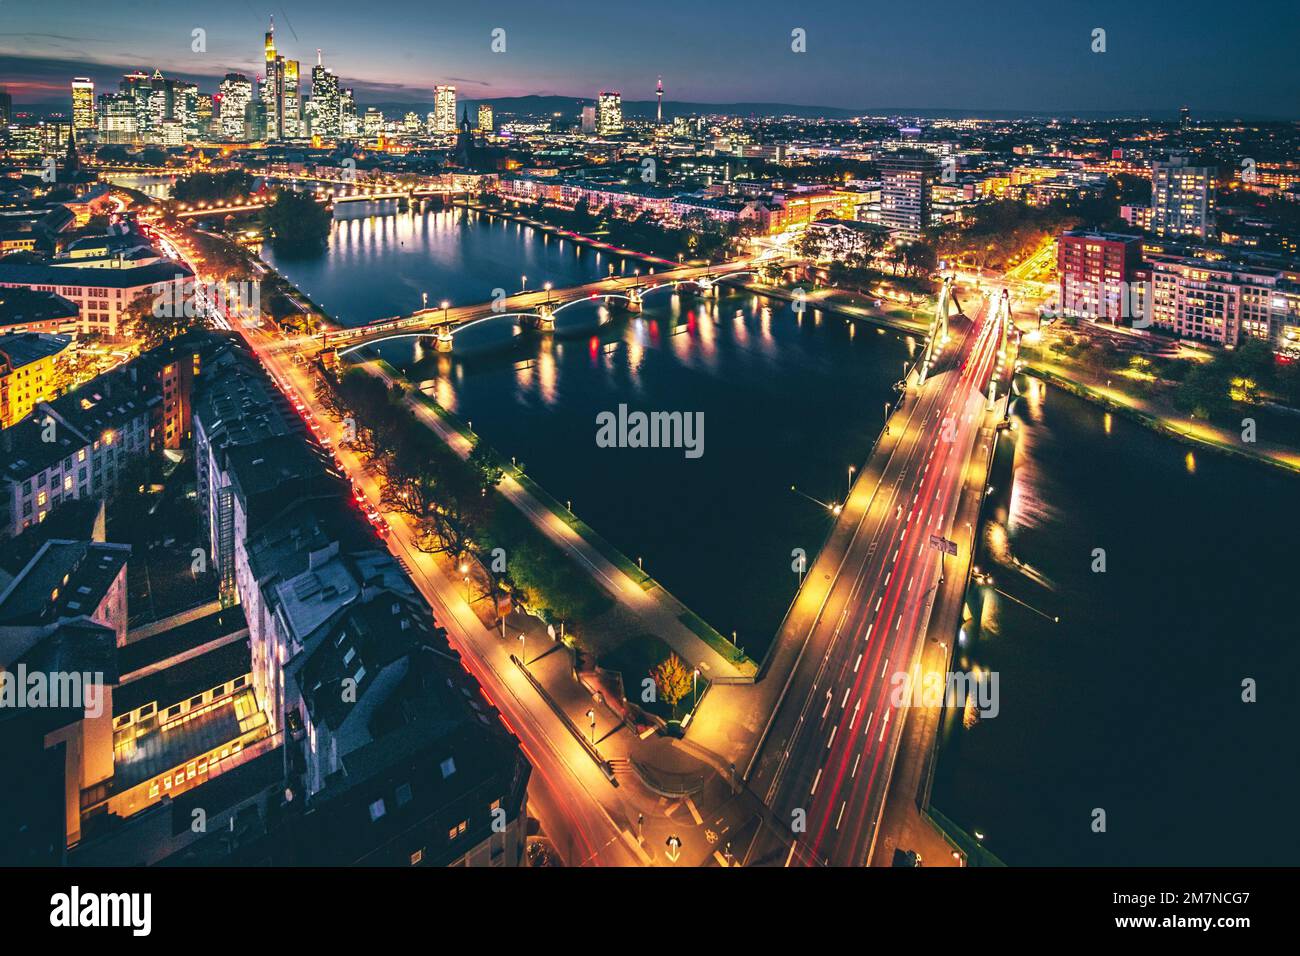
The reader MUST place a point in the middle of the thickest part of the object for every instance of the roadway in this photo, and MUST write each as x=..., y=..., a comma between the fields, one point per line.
x=585, y=817
x=827, y=759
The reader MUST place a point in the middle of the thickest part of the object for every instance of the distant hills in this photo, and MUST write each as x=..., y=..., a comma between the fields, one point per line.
x=571, y=106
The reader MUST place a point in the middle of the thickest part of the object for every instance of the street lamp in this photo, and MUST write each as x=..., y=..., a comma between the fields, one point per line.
x=852, y=469
x=695, y=687
x=445, y=303
x=424, y=300
x=523, y=280
x=523, y=648
x=591, y=715
x=547, y=287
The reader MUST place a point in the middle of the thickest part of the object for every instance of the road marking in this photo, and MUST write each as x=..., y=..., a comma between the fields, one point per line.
x=816, y=780
x=854, y=772
x=883, y=726
x=841, y=814
x=885, y=668
x=695, y=814
x=857, y=663
x=832, y=737
x=846, y=696
x=854, y=718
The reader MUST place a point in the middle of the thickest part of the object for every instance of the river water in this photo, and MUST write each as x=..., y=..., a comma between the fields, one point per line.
x=1131, y=705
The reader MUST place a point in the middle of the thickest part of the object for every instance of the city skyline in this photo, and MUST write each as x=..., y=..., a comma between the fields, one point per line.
x=1017, y=63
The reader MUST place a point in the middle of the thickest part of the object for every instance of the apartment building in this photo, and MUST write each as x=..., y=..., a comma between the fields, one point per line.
x=102, y=296
x=27, y=361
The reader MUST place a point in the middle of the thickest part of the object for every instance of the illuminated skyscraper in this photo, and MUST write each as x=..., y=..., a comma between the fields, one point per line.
x=659, y=102
x=291, y=106
x=1182, y=198
x=326, y=102
x=236, y=93
x=444, y=110
x=83, y=104
x=485, y=118
x=905, y=183
x=609, y=114
x=273, y=87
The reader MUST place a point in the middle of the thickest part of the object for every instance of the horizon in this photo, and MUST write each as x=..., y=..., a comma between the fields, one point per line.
x=1028, y=62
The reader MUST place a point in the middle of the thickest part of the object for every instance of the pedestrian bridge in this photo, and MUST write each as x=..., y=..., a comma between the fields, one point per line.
x=535, y=310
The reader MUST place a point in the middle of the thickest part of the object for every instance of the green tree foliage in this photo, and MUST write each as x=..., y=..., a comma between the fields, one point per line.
x=673, y=679
x=298, y=224
x=213, y=187
x=155, y=318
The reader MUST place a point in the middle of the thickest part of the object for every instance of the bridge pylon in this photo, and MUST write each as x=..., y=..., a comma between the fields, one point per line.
x=1004, y=307
x=938, y=332
x=443, y=342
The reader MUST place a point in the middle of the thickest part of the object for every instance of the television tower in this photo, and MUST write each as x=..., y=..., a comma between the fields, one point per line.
x=659, y=95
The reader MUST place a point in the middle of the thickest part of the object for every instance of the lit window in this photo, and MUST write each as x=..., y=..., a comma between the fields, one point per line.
x=377, y=810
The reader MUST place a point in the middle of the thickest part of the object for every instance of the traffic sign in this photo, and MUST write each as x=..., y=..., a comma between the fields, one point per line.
x=940, y=543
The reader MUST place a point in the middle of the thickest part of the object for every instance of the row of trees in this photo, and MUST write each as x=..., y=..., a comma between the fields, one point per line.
x=452, y=502
x=699, y=236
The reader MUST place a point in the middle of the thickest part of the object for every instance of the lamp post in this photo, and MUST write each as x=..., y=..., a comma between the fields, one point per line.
x=523, y=648
x=695, y=687
x=852, y=470
x=523, y=284
x=424, y=301
x=445, y=303
x=547, y=287
x=591, y=715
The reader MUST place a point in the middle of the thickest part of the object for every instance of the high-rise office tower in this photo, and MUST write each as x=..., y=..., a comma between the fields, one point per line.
x=292, y=104
x=6, y=109
x=273, y=87
x=236, y=92
x=659, y=102
x=485, y=124
x=609, y=114
x=83, y=104
x=906, y=179
x=1184, y=117
x=349, y=122
x=205, y=119
x=326, y=101
x=1182, y=198
x=589, y=120
x=118, y=122
x=373, y=125
x=444, y=110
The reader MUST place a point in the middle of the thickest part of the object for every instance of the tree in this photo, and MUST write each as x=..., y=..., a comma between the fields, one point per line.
x=297, y=222
x=155, y=318
x=673, y=679
x=486, y=466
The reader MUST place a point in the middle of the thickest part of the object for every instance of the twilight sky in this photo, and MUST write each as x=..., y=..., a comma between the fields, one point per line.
x=1215, y=56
